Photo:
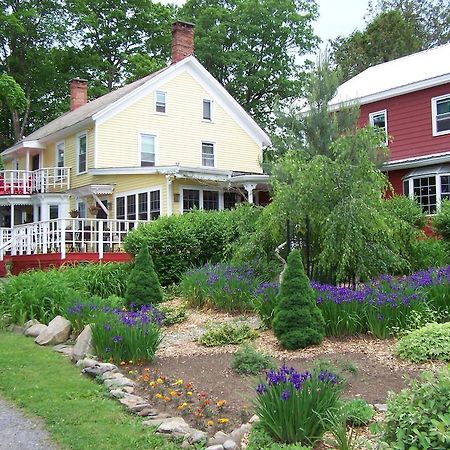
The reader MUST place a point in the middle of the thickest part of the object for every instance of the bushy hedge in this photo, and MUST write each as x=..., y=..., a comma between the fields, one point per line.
x=441, y=221
x=180, y=242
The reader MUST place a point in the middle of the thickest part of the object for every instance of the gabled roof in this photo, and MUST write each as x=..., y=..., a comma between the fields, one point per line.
x=110, y=104
x=400, y=76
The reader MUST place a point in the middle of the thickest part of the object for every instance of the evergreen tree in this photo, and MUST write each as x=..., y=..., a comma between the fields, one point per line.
x=298, y=321
x=143, y=286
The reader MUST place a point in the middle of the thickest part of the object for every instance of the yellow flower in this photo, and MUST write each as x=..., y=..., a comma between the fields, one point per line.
x=222, y=420
x=167, y=398
x=210, y=423
x=189, y=393
x=130, y=371
x=130, y=362
x=122, y=363
x=159, y=396
x=182, y=406
x=152, y=384
x=178, y=382
x=221, y=403
x=173, y=393
x=159, y=381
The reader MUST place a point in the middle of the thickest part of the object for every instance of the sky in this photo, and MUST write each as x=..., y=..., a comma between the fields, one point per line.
x=337, y=17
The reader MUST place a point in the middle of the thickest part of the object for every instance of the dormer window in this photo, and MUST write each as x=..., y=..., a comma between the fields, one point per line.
x=207, y=110
x=161, y=102
x=379, y=119
x=441, y=115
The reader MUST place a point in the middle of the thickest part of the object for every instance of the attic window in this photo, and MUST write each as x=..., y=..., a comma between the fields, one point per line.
x=161, y=102
x=207, y=110
x=441, y=115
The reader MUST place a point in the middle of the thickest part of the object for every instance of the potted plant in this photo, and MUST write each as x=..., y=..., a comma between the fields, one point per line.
x=74, y=213
x=94, y=208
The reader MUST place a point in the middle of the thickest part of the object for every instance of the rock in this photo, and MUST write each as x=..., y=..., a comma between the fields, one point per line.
x=16, y=329
x=111, y=375
x=118, y=383
x=157, y=421
x=230, y=445
x=87, y=362
x=238, y=434
x=185, y=444
x=254, y=419
x=128, y=389
x=83, y=344
x=196, y=436
x=30, y=323
x=139, y=407
x=174, y=425
x=219, y=438
x=214, y=447
x=117, y=393
x=147, y=412
x=64, y=349
x=99, y=369
x=35, y=330
x=57, y=332
x=380, y=407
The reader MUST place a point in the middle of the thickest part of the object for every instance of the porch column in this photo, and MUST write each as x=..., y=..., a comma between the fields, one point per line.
x=12, y=215
x=35, y=213
x=27, y=160
x=169, y=193
x=249, y=187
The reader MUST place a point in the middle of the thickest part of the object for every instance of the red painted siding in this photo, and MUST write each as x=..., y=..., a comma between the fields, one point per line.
x=409, y=120
x=396, y=179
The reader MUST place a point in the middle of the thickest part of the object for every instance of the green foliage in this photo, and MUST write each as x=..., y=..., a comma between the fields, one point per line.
x=178, y=243
x=143, y=286
x=430, y=343
x=441, y=221
x=358, y=412
x=297, y=321
x=290, y=405
x=227, y=333
x=406, y=209
x=173, y=315
x=336, y=423
x=38, y=295
x=234, y=41
x=340, y=369
x=388, y=36
x=11, y=94
x=419, y=416
x=259, y=439
x=248, y=360
x=429, y=252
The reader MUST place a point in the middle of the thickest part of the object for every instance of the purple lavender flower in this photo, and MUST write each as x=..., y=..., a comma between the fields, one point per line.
x=117, y=339
x=285, y=395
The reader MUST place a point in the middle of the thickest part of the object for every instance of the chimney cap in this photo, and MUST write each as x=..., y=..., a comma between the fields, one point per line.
x=78, y=80
x=183, y=23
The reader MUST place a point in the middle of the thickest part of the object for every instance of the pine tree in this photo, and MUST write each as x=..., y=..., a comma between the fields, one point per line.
x=143, y=285
x=297, y=321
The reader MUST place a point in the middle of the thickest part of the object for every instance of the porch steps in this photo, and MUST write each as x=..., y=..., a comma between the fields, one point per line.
x=22, y=263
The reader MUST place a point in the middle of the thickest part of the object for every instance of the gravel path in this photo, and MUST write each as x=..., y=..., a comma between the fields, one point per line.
x=18, y=432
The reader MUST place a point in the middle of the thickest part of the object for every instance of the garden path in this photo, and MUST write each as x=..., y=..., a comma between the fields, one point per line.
x=18, y=432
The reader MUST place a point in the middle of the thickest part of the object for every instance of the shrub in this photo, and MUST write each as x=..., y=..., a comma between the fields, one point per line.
x=172, y=315
x=259, y=439
x=227, y=333
x=298, y=321
x=126, y=335
x=441, y=221
x=178, y=243
x=429, y=252
x=432, y=342
x=248, y=360
x=143, y=285
x=358, y=412
x=265, y=301
x=290, y=405
x=406, y=209
x=419, y=416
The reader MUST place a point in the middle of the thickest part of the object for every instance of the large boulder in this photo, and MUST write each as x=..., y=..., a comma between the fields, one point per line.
x=83, y=344
x=35, y=330
x=57, y=332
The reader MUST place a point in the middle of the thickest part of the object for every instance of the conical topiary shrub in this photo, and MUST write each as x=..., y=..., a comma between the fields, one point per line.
x=143, y=285
x=298, y=321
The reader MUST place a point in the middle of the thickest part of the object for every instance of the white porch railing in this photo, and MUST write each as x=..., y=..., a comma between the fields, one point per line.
x=25, y=182
x=5, y=241
x=70, y=235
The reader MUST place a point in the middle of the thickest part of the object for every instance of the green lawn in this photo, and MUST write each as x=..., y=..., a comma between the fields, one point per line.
x=77, y=412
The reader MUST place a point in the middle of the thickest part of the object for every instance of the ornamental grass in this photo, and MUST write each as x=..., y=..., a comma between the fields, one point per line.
x=291, y=405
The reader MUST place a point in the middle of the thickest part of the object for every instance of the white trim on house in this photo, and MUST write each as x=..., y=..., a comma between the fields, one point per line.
x=417, y=161
x=166, y=96
x=77, y=152
x=434, y=101
x=374, y=114
x=182, y=188
x=136, y=194
x=22, y=144
x=155, y=147
x=63, y=142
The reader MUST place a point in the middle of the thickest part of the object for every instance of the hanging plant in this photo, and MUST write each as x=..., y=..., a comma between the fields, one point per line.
x=94, y=208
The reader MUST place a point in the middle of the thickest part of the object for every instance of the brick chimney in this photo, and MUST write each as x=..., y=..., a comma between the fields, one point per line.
x=78, y=93
x=182, y=40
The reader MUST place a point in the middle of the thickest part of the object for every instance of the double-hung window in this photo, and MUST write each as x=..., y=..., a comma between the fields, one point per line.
x=379, y=119
x=208, y=154
x=60, y=154
x=161, y=102
x=82, y=153
x=207, y=109
x=141, y=206
x=191, y=199
x=148, y=144
x=202, y=198
x=441, y=115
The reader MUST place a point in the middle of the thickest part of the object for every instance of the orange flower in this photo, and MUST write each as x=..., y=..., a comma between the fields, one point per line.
x=146, y=369
x=221, y=403
x=173, y=393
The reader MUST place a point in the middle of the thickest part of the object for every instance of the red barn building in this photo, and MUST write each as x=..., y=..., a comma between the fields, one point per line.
x=410, y=98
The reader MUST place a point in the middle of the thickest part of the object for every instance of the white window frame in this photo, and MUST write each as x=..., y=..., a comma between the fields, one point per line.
x=155, y=136
x=77, y=162
x=372, y=115
x=434, y=101
x=437, y=176
x=166, y=96
x=211, y=103
x=63, y=143
x=200, y=189
x=84, y=207
x=136, y=194
x=213, y=143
